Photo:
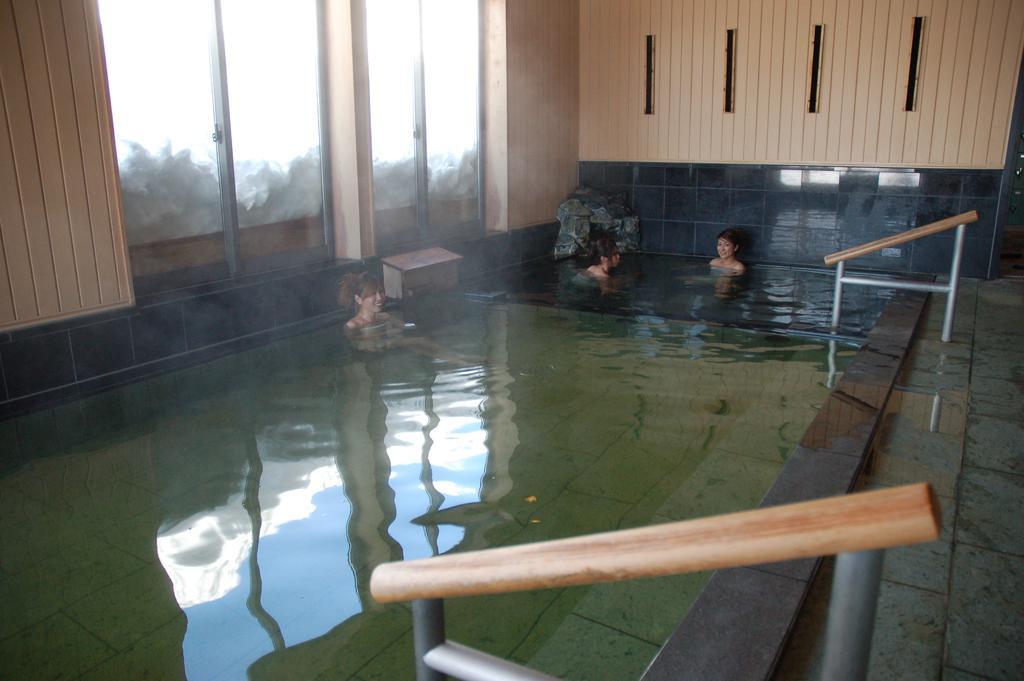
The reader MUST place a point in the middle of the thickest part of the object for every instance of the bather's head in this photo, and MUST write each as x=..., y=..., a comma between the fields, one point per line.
x=604, y=253
x=729, y=242
x=363, y=291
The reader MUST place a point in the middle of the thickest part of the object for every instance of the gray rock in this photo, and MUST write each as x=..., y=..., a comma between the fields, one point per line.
x=589, y=209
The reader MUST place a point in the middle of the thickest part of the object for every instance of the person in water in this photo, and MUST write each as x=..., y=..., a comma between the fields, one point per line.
x=728, y=245
x=604, y=257
x=365, y=292
x=373, y=330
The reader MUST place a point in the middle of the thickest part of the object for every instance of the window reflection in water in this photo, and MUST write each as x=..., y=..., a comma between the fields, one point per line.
x=392, y=459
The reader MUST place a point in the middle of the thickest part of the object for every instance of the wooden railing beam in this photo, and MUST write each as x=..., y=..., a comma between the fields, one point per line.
x=856, y=522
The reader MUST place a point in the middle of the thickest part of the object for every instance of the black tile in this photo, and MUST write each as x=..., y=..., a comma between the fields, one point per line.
x=101, y=348
x=982, y=184
x=752, y=240
x=651, y=235
x=38, y=363
x=591, y=174
x=855, y=181
x=819, y=181
x=746, y=207
x=681, y=203
x=933, y=208
x=934, y=255
x=539, y=240
x=158, y=332
x=746, y=177
x=895, y=213
x=293, y=297
x=986, y=223
x=678, y=238
x=782, y=209
x=227, y=315
x=618, y=174
x=937, y=183
x=712, y=205
x=896, y=182
x=649, y=202
x=784, y=179
x=651, y=175
x=705, y=239
x=895, y=258
x=712, y=177
x=812, y=210
x=796, y=245
x=978, y=258
x=323, y=294
x=3, y=383
x=854, y=211
x=681, y=176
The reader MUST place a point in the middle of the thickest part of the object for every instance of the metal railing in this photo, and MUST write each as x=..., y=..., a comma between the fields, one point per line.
x=857, y=527
x=839, y=259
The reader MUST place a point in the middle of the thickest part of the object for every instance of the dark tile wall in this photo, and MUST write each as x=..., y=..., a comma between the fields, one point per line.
x=797, y=215
x=56, y=363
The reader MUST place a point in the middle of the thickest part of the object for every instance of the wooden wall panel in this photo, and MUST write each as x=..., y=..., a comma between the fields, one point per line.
x=60, y=222
x=969, y=65
x=84, y=73
x=543, y=48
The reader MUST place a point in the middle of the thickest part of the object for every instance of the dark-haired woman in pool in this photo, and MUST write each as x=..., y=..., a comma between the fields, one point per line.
x=604, y=258
x=374, y=330
x=728, y=246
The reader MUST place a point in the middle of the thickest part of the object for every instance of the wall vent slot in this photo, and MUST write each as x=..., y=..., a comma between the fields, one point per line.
x=814, y=101
x=730, y=70
x=915, y=65
x=649, y=78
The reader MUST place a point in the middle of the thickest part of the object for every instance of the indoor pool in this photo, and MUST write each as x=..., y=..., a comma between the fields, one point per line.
x=771, y=298
x=222, y=522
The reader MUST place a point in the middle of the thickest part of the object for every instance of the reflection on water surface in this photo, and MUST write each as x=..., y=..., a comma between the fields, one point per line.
x=226, y=526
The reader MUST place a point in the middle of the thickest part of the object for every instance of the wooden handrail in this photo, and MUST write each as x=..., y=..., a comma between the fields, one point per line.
x=903, y=237
x=855, y=522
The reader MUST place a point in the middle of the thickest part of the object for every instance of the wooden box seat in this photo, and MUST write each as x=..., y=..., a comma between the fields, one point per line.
x=412, y=274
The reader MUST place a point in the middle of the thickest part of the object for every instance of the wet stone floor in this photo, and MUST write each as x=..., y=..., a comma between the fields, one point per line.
x=951, y=609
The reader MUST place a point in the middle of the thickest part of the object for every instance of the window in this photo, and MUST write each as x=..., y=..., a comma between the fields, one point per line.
x=424, y=119
x=218, y=134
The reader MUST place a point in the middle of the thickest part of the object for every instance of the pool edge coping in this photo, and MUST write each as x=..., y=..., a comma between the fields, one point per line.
x=740, y=623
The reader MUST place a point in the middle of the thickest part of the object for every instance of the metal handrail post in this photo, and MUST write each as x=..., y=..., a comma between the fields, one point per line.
x=831, y=381
x=427, y=634
x=954, y=284
x=851, y=615
x=837, y=300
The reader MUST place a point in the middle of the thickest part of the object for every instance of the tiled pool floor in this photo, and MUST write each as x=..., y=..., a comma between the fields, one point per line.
x=952, y=609
x=128, y=553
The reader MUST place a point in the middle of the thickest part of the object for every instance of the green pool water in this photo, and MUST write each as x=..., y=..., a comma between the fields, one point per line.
x=222, y=522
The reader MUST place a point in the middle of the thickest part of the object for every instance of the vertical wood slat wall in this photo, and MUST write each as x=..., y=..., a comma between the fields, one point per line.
x=969, y=65
x=542, y=56
x=62, y=247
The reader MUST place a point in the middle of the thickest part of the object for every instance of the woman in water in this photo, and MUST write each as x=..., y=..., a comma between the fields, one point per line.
x=366, y=293
x=373, y=330
x=604, y=257
x=728, y=246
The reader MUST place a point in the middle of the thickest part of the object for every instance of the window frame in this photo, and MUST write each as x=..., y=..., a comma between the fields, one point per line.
x=234, y=265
